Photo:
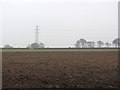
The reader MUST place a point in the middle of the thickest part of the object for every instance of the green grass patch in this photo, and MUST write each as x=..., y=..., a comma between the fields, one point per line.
x=58, y=49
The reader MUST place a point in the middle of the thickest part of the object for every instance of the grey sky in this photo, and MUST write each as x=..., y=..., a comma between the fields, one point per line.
x=61, y=22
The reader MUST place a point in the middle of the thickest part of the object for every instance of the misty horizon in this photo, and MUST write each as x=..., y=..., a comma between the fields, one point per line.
x=61, y=23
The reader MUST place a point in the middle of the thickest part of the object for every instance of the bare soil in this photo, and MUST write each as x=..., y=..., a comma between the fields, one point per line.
x=60, y=69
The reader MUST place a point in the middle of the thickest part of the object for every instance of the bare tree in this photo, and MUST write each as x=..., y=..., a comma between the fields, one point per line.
x=8, y=46
x=77, y=44
x=107, y=44
x=100, y=44
x=116, y=42
x=42, y=45
x=82, y=42
x=90, y=44
x=93, y=44
x=36, y=45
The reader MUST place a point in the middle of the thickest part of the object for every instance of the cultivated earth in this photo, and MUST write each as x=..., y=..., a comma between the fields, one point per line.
x=60, y=69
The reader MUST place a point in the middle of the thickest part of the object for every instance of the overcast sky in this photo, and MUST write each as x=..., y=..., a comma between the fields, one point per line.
x=62, y=22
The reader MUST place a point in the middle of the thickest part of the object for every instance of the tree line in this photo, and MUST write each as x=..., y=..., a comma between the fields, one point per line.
x=82, y=43
x=30, y=46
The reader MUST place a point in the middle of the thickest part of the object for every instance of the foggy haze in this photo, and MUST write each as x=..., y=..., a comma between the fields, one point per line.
x=61, y=23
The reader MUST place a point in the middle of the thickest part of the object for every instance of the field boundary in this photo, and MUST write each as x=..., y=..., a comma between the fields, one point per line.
x=58, y=49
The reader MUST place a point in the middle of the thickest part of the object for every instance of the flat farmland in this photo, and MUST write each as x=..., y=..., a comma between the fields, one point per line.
x=60, y=69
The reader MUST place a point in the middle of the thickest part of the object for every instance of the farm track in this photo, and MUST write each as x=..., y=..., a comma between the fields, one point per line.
x=60, y=69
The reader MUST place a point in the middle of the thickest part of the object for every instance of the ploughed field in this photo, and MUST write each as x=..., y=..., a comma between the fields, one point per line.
x=53, y=69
